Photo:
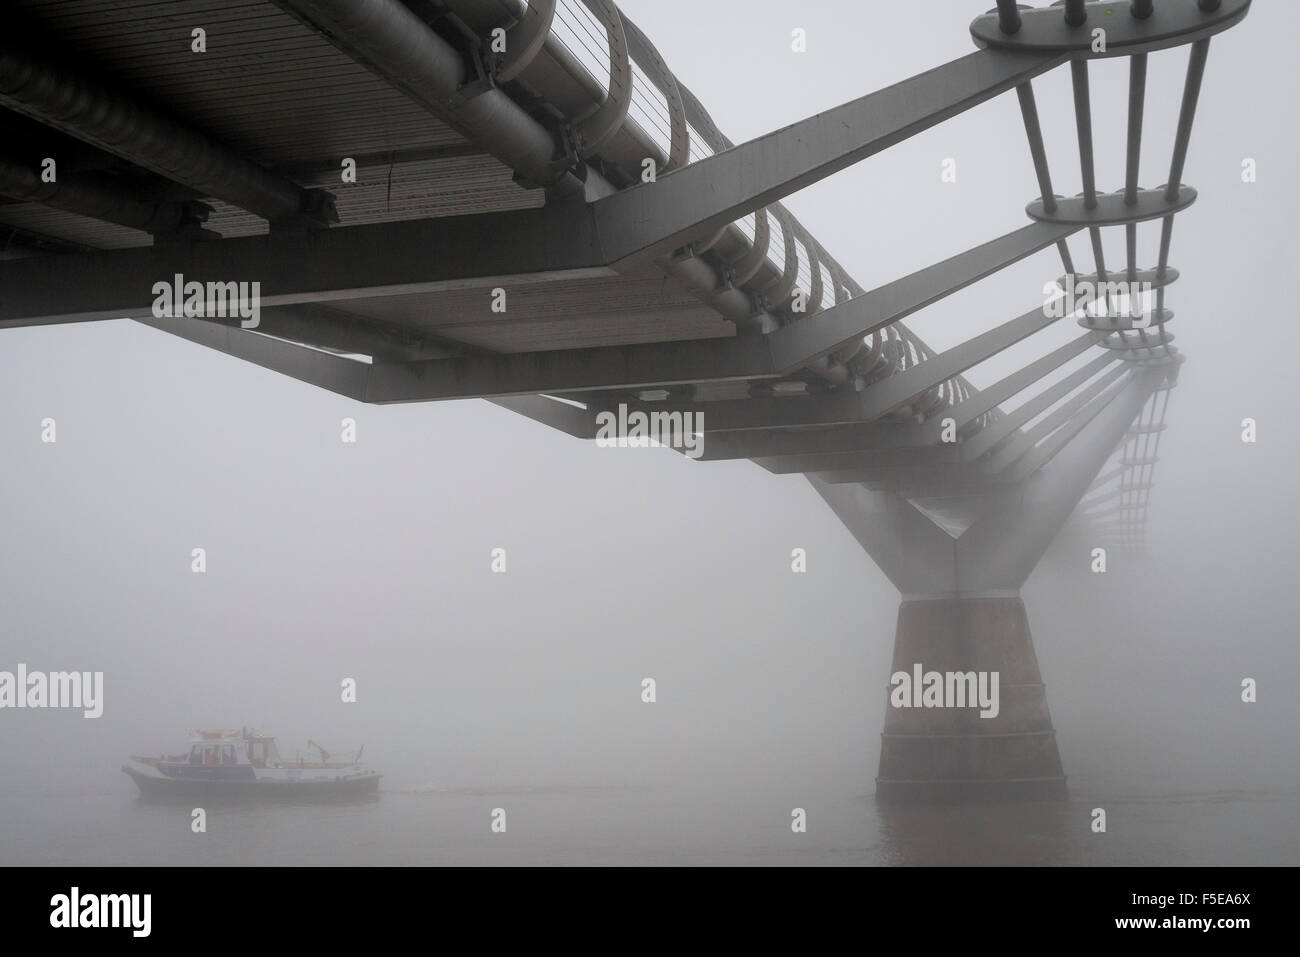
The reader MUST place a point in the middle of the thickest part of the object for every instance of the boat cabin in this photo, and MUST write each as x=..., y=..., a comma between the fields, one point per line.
x=213, y=748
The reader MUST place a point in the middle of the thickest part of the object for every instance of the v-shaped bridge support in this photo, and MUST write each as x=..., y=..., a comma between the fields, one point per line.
x=967, y=715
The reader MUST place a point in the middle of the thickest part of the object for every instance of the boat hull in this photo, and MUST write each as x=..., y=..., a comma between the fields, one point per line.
x=342, y=786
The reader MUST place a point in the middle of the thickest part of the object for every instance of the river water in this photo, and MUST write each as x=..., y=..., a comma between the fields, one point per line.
x=99, y=820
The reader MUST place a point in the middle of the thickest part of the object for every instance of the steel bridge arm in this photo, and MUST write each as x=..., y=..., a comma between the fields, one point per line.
x=548, y=411
x=779, y=353
x=914, y=553
x=341, y=263
x=998, y=431
x=987, y=557
x=689, y=203
x=345, y=377
x=800, y=342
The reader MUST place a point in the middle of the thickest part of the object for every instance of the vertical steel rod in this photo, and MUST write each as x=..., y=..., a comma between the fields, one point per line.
x=1186, y=115
x=1137, y=84
x=1034, y=130
x=1008, y=16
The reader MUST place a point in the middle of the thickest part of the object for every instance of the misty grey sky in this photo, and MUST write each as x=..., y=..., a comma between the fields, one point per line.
x=328, y=560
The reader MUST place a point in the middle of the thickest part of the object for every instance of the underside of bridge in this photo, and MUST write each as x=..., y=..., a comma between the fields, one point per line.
x=416, y=200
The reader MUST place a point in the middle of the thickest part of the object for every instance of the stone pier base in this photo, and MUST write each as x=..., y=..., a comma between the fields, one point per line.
x=952, y=754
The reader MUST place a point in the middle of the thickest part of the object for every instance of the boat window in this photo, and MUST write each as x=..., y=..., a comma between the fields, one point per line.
x=196, y=754
x=227, y=754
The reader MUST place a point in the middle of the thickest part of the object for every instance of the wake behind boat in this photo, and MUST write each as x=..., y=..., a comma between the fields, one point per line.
x=246, y=763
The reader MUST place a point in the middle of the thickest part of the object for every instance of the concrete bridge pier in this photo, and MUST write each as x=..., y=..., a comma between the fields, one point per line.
x=966, y=714
x=941, y=754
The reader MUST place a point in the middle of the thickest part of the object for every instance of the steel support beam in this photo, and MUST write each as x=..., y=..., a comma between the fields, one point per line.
x=841, y=422
x=775, y=354
x=841, y=407
x=344, y=263
x=985, y=400
x=1006, y=457
x=799, y=342
x=864, y=434
x=486, y=376
x=1049, y=448
x=902, y=387
x=328, y=327
x=422, y=255
x=471, y=246
x=939, y=457
x=345, y=377
x=919, y=482
x=775, y=443
x=996, y=553
x=990, y=436
x=573, y=370
x=913, y=552
x=558, y=415
x=693, y=202
x=845, y=408
x=1001, y=548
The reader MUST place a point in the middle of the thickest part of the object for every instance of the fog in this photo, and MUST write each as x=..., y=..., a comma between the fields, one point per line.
x=372, y=560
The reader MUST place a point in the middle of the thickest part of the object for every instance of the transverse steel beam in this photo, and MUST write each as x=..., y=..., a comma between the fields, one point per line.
x=695, y=201
x=338, y=264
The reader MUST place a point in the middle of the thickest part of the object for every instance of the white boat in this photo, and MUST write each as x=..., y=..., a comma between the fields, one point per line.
x=246, y=763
